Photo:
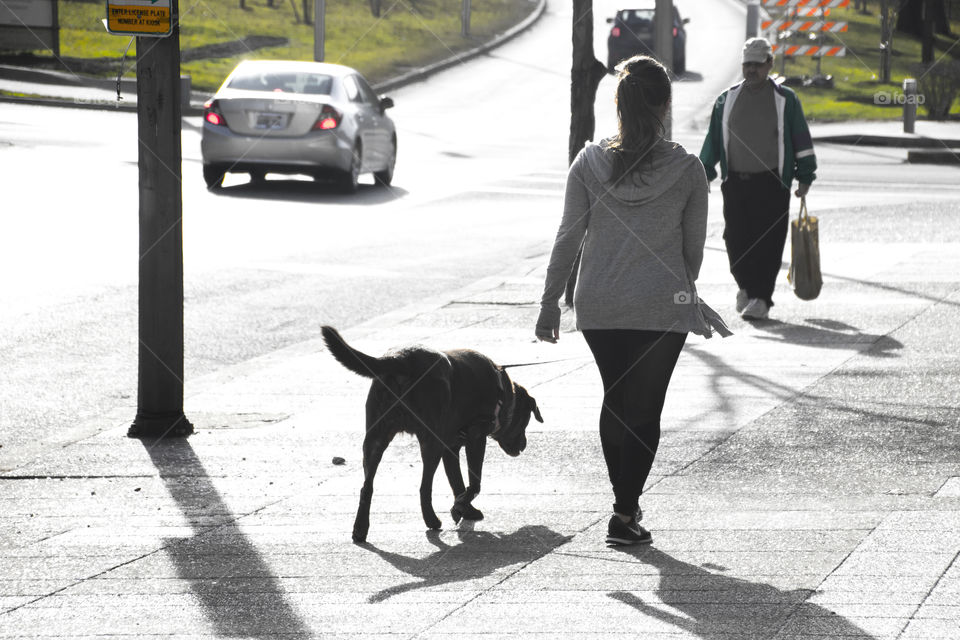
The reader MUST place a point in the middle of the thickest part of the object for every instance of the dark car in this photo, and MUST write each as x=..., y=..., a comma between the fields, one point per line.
x=633, y=34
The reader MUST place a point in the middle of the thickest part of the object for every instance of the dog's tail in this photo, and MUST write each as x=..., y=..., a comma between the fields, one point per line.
x=358, y=362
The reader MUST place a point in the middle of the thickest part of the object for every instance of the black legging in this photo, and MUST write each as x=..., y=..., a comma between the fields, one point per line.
x=635, y=367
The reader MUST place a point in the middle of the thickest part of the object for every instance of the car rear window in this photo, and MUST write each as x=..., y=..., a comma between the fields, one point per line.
x=637, y=17
x=309, y=83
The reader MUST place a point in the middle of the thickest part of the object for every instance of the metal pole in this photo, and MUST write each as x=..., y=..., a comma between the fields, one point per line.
x=160, y=359
x=663, y=43
x=465, y=19
x=56, y=29
x=663, y=32
x=753, y=20
x=886, y=46
x=319, y=29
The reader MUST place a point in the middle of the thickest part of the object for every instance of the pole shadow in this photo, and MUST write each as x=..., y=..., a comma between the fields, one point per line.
x=711, y=605
x=479, y=554
x=236, y=587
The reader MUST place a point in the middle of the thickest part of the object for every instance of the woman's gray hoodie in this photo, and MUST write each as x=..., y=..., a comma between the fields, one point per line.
x=642, y=242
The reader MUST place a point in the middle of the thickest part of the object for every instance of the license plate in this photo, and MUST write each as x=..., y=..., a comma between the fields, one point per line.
x=269, y=121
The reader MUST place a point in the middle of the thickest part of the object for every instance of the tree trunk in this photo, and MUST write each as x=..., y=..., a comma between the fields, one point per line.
x=585, y=77
x=910, y=17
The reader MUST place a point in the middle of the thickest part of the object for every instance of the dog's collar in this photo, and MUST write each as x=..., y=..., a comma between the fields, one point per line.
x=496, y=411
x=496, y=418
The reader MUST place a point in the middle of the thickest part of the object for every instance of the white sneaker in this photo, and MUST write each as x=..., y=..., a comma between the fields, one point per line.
x=742, y=300
x=756, y=309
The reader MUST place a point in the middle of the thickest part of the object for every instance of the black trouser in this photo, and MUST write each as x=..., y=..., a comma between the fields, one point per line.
x=756, y=209
x=635, y=367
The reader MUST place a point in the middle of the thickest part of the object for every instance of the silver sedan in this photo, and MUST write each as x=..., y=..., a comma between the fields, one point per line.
x=275, y=116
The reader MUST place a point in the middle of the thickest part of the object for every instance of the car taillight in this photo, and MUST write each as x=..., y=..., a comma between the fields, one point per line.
x=212, y=113
x=615, y=32
x=675, y=32
x=329, y=119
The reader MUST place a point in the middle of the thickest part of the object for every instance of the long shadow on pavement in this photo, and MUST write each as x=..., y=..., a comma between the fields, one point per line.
x=714, y=605
x=722, y=372
x=831, y=334
x=479, y=554
x=221, y=577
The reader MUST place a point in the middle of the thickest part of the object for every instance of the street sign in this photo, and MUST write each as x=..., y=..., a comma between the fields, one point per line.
x=139, y=17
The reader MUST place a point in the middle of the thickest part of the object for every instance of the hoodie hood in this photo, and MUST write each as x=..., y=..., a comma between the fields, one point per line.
x=665, y=163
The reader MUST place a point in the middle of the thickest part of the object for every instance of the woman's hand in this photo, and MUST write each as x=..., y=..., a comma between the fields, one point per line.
x=548, y=324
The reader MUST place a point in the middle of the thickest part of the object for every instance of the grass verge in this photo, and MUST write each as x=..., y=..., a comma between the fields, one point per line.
x=407, y=34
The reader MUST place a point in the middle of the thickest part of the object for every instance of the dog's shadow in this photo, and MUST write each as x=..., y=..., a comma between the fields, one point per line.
x=478, y=554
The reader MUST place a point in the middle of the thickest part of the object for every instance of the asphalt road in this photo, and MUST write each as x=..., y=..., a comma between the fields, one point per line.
x=477, y=188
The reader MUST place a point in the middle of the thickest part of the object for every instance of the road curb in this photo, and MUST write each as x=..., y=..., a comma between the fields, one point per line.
x=424, y=72
x=925, y=156
x=905, y=141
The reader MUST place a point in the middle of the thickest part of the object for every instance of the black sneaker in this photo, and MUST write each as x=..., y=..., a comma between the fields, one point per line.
x=620, y=532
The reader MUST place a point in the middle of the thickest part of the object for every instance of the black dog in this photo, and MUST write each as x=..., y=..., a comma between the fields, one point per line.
x=447, y=400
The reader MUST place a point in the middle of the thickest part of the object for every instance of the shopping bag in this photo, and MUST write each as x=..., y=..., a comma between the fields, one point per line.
x=804, y=273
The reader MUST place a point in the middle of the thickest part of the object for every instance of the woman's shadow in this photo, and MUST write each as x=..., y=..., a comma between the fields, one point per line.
x=710, y=605
x=479, y=554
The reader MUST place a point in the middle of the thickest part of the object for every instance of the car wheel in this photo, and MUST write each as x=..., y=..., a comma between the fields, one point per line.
x=350, y=180
x=385, y=177
x=213, y=176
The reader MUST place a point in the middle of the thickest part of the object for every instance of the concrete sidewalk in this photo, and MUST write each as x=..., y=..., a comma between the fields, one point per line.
x=807, y=486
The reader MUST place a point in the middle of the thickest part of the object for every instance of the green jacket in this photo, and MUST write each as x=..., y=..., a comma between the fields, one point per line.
x=795, y=146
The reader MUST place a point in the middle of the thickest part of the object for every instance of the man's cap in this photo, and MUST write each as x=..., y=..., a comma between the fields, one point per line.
x=756, y=50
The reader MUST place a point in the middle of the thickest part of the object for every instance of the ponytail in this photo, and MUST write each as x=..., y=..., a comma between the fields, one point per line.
x=643, y=91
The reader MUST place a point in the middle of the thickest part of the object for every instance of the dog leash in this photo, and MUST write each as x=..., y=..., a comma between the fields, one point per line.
x=530, y=364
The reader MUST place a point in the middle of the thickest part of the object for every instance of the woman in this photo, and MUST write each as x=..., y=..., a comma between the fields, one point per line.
x=638, y=205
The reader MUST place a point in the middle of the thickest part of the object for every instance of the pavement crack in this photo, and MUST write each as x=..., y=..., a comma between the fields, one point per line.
x=82, y=580
x=77, y=477
x=928, y=594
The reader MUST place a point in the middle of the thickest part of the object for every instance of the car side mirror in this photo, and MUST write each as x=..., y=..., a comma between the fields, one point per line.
x=385, y=103
x=686, y=21
x=609, y=20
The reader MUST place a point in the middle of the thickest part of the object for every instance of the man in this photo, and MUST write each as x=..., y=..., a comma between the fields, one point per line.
x=760, y=138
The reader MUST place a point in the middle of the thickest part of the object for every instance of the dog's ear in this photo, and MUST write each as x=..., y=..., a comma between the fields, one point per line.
x=536, y=410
